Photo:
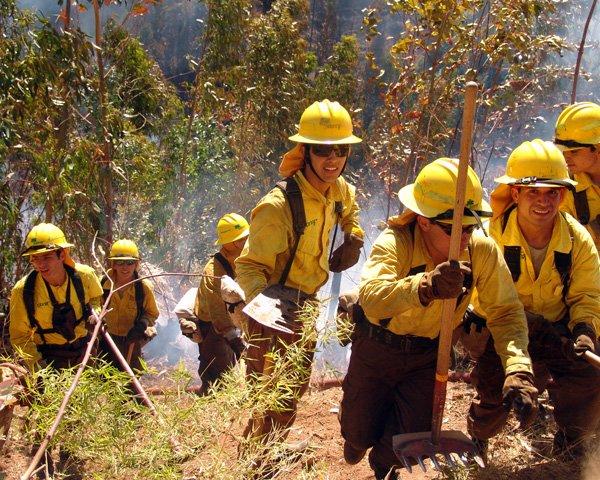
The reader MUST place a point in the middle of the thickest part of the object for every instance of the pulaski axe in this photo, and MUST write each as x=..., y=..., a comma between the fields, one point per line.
x=452, y=445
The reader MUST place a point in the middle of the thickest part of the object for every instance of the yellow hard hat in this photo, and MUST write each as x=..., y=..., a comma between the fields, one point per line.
x=578, y=126
x=327, y=123
x=433, y=193
x=231, y=227
x=44, y=237
x=124, y=250
x=536, y=164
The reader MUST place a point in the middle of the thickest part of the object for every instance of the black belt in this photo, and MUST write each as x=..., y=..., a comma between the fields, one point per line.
x=403, y=343
x=67, y=350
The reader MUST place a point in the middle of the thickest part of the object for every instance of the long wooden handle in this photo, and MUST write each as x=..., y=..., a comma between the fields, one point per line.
x=592, y=359
x=449, y=305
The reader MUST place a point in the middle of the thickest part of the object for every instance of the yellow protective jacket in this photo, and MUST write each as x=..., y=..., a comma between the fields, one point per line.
x=387, y=290
x=544, y=295
x=24, y=337
x=120, y=319
x=209, y=306
x=272, y=237
x=584, y=183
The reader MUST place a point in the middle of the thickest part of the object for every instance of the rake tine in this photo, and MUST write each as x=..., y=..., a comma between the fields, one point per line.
x=407, y=464
x=421, y=464
x=465, y=459
x=450, y=460
x=479, y=461
x=458, y=460
x=436, y=464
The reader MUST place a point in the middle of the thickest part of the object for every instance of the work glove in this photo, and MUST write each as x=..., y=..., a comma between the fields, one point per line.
x=236, y=341
x=93, y=318
x=520, y=393
x=188, y=327
x=444, y=281
x=347, y=254
x=141, y=331
x=582, y=339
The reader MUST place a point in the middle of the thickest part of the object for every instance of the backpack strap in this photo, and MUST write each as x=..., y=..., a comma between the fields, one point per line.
x=512, y=257
x=219, y=257
x=293, y=195
x=563, y=262
x=505, y=215
x=139, y=295
x=582, y=207
x=29, y=300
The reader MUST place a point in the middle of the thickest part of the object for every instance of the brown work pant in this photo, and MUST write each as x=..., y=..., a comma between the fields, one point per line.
x=386, y=392
x=215, y=356
x=262, y=341
x=574, y=392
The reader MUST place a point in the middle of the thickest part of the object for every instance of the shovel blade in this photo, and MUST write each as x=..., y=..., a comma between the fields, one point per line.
x=266, y=311
x=413, y=448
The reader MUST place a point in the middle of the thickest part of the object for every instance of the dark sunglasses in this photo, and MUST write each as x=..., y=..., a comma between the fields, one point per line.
x=325, y=150
x=124, y=262
x=447, y=228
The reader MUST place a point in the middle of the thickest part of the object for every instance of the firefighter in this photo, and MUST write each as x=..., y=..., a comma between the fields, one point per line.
x=50, y=306
x=220, y=340
x=132, y=310
x=555, y=268
x=287, y=255
x=388, y=389
x=577, y=134
x=49, y=310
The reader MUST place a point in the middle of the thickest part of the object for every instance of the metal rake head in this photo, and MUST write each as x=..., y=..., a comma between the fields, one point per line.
x=454, y=447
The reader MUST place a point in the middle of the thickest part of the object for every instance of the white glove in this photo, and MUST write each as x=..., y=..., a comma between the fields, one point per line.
x=93, y=318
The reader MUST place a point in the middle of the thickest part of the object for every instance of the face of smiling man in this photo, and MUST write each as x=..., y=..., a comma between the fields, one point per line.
x=537, y=206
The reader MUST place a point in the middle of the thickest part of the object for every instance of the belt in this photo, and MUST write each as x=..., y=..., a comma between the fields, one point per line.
x=403, y=343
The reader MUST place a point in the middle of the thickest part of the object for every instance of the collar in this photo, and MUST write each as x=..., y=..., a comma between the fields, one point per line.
x=560, y=241
x=583, y=181
x=333, y=193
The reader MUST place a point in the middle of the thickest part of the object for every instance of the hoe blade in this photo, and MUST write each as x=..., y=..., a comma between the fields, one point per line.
x=413, y=448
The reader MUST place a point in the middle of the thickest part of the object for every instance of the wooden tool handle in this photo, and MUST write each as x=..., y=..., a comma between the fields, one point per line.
x=592, y=359
x=449, y=305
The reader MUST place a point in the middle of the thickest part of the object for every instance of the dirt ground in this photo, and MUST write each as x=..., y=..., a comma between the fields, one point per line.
x=512, y=456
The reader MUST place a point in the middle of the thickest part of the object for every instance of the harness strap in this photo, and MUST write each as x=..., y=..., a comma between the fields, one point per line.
x=293, y=195
x=225, y=264
x=512, y=257
x=582, y=207
x=29, y=299
x=139, y=294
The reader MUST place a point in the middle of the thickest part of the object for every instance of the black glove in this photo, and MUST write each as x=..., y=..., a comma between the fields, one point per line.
x=582, y=339
x=520, y=393
x=347, y=254
x=444, y=281
x=138, y=331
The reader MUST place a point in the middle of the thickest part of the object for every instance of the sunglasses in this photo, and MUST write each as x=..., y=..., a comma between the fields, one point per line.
x=124, y=262
x=447, y=228
x=325, y=150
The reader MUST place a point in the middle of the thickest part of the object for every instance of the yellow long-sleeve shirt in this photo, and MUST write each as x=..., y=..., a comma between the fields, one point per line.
x=209, y=306
x=272, y=237
x=23, y=335
x=387, y=290
x=544, y=295
x=592, y=191
x=123, y=308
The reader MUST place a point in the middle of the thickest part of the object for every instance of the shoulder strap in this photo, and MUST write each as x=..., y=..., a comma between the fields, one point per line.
x=512, y=257
x=563, y=262
x=505, y=216
x=582, y=207
x=29, y=301
x=225, y=264
x=139, y=297
x=105, y=291
x=293, y=196
x=78, y=285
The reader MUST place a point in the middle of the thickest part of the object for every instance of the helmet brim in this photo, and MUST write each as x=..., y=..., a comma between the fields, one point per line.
x=407, y=197
x=560, y=182
x=44, y=249
x=319, y=141
x=128, y=257
x=239, y=237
